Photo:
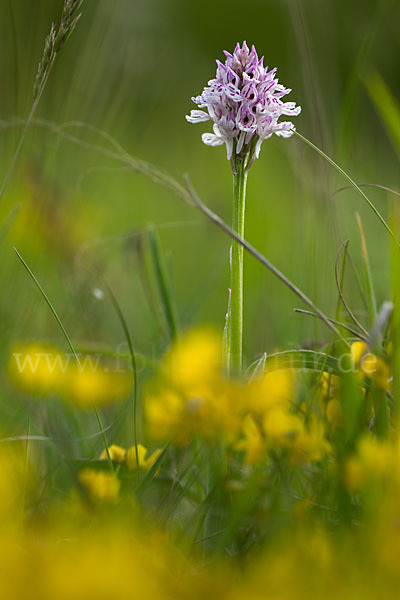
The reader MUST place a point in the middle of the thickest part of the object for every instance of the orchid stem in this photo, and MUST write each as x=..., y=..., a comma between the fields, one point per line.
x=236, y=303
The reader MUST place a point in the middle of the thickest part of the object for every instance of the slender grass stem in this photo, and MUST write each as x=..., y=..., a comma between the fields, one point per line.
x=53, y=45
x=235, y=340
x=68, y=340
x=372, y=309
x=129, y=340
x=216, y=219
x=352, y=183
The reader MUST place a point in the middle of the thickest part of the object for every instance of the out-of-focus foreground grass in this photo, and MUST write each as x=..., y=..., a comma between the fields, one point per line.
x=282, y=467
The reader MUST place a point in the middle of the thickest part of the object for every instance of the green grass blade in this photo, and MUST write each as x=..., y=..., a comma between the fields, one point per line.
x=143, y=484
x=129, y=340
x=352, y=183
x=68, y=340
x=368, y=274
x=386, y=105
x=301, y=359
x=163, y=283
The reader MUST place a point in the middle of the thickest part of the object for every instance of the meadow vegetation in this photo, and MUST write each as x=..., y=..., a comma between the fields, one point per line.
x=143, y=451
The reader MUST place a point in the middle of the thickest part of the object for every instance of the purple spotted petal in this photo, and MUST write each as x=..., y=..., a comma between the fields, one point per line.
x=197, y=116
x=244, y=101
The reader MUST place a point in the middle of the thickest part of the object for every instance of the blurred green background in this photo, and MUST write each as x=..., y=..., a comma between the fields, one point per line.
x=130, y=69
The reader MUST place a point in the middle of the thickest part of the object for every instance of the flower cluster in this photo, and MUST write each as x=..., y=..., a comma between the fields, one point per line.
x=192, y=399
x=245, y=102
x=44, y=370
x=119, y=455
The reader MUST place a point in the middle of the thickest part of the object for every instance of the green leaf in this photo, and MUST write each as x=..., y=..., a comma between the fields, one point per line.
x=386, y=104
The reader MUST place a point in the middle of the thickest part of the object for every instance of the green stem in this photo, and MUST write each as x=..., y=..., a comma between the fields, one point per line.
x=236, y=304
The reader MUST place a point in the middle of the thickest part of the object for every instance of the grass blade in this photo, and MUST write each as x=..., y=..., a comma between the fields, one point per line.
x=368, y=275
x=352, y=183
x=128, y=336
x=386, y=105
x=142, y=485
x=163, y=283
x=68, y=340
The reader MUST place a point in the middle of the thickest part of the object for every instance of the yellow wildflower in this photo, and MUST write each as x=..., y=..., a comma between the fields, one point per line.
x=310, y=444
x=358, y=350
x=329, y=385
x=274, y=388
x=253, y=443
x=164, y=410
x=370, y=365
x=100, y=485
x=41, y=369
x=374, y=460
x=87, y=387
x=210, y=411
x=117, y=453
x=376, y=369
x=145, y=464
x=37, y=368
x=281, y=427
x=334, y=412
x=194, y=359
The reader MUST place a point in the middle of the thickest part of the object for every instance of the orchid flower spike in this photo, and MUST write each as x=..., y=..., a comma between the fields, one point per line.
x=244, y=101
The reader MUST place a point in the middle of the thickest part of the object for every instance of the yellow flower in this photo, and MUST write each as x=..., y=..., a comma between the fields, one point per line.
x=310, y=444
x=100, y=485
x=253, y=443
x=37, y=368
x=358, y=350
x=330, y=385
x=145, y=464
x=376, y=369
x=334, y=412
x=40, y=369
x=164, y=411
x=375, y=460
x=281, y=427
x=194, y=359
x=210, y=411
x=16, y=481
x=273, y=389
x=117, y=453
x=87, y=387
x=370, y=365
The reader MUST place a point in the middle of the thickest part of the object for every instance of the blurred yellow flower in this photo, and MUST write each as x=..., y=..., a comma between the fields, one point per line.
x=100, y=486
x=164, y=412
x=41, y=369
x=145, y=464
x=375, y=460
x=330, y=385
x=37, y=368
x=117, y=453
x=334, y=412
x=87, y=388
x=311, y=444
x=253, y=444
x=358, y=350
x=195, y=358
x=16, y=479
x=370, y=365
x=274, y=388
x=281, y=427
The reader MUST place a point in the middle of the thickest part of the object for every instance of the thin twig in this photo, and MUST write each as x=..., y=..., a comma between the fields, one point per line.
x=339, y=289
x=375, y=185
x=338, y=323
x=261, y=258
x=352, y=183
